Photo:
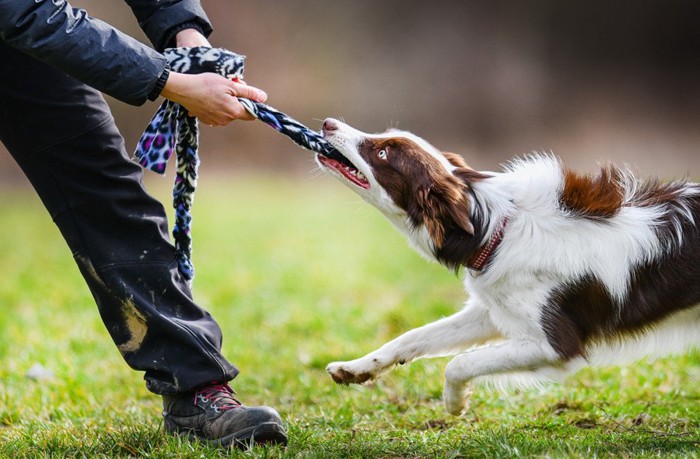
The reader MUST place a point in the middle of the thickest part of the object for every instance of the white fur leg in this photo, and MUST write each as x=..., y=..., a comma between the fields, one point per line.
x=468, y=327
x=510, y=356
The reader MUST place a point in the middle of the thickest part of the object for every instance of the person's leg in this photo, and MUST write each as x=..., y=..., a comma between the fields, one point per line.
x=62, y=135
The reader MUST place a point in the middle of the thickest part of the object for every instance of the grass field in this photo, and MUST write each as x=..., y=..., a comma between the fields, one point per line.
x=299, y=273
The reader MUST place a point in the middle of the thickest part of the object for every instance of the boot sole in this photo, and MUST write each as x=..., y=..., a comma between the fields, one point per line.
x=266, y=433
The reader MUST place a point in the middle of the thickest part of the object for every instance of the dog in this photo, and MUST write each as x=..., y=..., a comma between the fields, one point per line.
x=562, y=269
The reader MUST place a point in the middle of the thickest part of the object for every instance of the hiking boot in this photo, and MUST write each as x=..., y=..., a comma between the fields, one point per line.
x=210, y=413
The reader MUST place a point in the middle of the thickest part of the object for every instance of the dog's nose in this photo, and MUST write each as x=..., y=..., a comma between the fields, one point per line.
x=330, y=125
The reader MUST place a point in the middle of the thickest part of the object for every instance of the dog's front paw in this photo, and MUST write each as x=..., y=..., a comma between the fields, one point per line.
x=343, y=373
x=456, y=398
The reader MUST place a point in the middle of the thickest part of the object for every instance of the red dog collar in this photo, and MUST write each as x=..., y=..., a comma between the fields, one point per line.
x=482, y=257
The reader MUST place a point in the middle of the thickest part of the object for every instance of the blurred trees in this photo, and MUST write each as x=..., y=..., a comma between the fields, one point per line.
x=589, y=80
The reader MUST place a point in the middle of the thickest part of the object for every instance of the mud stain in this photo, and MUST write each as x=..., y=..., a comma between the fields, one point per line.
x=91, y=271
x=136, y=323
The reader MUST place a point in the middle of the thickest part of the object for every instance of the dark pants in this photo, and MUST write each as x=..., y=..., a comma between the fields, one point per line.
x=63, y=136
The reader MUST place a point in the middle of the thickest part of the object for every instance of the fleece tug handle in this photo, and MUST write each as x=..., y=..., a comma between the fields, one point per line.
x=172, y=130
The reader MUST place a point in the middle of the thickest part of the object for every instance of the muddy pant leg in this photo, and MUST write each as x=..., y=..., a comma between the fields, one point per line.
x=63, y=137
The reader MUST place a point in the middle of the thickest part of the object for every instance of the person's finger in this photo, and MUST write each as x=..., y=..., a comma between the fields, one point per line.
x=249, y=92
x=243, y=114
x=225, y=115
x=237, y=112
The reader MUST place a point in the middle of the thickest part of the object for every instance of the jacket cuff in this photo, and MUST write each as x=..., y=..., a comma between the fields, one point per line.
x=159, y=23
x=170, y=36
x=160, y=83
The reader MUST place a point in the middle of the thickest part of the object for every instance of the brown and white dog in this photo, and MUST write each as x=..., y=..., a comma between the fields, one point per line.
x=563, y=270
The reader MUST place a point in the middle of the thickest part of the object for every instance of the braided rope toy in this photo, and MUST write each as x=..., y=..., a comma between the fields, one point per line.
x=172, y=129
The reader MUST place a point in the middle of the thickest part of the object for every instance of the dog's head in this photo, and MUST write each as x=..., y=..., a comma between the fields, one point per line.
x=411, y=182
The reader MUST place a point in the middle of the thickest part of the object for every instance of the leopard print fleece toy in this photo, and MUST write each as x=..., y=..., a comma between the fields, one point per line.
x=172, y=129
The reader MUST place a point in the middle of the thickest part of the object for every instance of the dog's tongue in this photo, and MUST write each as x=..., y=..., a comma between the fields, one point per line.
x=329, y=152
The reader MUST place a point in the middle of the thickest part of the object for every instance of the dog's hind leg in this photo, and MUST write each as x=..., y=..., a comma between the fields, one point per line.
x=509, y=356
x=469, y=327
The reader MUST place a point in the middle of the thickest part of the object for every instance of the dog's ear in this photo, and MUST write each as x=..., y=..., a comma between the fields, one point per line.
x=456, y=204
x=443, y=205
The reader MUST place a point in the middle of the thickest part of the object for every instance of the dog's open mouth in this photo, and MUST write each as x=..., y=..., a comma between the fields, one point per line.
x=347, y=170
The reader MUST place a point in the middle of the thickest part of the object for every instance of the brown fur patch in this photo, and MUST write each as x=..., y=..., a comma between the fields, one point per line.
x=455, y=159
x=594, y=197
x=583, y=311
x=654, y=193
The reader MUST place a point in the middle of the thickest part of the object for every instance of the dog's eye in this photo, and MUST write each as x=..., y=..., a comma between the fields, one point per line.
x=382, y=154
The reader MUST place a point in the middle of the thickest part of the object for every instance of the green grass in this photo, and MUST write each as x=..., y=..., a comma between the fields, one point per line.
x=298, y=273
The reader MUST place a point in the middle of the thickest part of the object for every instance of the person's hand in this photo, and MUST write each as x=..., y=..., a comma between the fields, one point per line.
x=211, y=97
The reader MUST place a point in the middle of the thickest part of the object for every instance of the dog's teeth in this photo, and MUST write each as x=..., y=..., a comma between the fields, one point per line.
x=361, y=176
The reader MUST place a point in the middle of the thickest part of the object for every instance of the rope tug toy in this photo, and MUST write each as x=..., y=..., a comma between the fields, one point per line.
x=172, y=129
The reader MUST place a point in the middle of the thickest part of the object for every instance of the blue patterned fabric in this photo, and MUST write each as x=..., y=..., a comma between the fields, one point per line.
x=172, y=130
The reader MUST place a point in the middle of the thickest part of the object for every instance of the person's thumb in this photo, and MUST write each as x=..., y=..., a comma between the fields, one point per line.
x=249, y=92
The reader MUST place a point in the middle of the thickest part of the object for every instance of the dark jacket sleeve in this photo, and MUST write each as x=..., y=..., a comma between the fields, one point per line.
x=83, y=47
x=161, y=19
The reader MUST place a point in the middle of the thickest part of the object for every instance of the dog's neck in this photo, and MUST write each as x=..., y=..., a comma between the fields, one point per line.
x=482, y=257
x=490, y=206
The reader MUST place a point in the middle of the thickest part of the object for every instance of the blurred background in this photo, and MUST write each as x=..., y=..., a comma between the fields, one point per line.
x=588, y=80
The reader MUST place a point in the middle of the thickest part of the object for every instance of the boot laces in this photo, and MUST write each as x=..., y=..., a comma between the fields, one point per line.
x=220, y=395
